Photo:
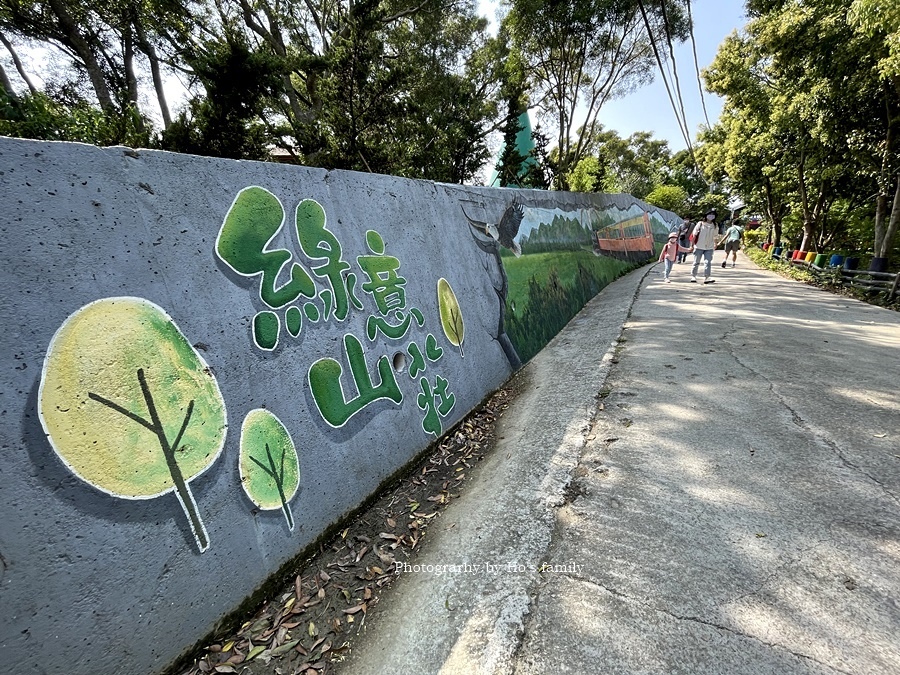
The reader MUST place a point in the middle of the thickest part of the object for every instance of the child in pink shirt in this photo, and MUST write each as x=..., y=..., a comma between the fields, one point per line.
x=670, y=251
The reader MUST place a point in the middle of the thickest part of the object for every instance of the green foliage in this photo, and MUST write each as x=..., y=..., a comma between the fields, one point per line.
x=41, y=117
x=809, y=125
x=670, y=197
x=586, y=175
x=880, y=18
x=226, y=122
x=582, y=53
x=549, y=299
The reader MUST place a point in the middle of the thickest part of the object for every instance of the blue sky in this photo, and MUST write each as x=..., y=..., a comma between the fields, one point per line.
x=649, y=109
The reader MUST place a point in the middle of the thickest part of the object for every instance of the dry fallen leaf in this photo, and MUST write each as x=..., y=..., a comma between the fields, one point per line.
x=355, y=609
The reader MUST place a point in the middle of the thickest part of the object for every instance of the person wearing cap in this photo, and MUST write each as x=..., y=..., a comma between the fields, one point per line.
x=704, y=239
x=670, y=250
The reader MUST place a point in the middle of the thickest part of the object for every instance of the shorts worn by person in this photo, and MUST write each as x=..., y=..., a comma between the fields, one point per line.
x=732, y=239
x=704, y=238
x=670, y=251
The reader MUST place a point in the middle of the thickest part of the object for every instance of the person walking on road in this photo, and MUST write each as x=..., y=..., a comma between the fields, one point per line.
x=732, y=239
x=704, y=238
x=684, y=239
x=669, y=253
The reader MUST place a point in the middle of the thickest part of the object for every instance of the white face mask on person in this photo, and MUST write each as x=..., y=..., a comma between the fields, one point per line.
x=710, y=218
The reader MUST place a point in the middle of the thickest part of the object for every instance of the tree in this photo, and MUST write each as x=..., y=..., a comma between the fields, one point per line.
x=880, y=20
x=806, y=104
x=669, y=197
x=582, y=54
x=104, y=44
x=586, y=176
x=227, y=121
x=382, y=85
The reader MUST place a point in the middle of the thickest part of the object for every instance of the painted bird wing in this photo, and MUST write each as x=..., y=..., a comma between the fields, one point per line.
x=479, y=225
x=509, y=224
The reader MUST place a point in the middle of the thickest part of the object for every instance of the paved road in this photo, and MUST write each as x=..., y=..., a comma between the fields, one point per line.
x=709, y=477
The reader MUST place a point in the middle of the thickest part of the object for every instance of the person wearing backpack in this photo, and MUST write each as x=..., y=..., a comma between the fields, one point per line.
x=732, y=239
x=704, y=239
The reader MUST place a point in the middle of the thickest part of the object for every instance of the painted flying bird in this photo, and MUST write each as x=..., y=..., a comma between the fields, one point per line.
x=506, y=230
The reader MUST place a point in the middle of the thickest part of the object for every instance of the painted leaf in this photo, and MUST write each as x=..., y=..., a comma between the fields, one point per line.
x=451, y=315
x=269, y=467
x=129, y=405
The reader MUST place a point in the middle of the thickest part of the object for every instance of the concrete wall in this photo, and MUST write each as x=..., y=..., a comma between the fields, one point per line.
x=179, y=415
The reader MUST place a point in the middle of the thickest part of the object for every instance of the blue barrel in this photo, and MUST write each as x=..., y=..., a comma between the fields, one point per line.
x=777, y=252
x=836, y=260
x=851, y=263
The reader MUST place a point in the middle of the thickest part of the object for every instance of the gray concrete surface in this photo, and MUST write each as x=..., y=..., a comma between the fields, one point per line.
x=98, y=557
x=715, y=490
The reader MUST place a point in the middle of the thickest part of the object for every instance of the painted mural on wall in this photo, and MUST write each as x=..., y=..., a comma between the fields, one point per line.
x=553, y=261
x=131, y=408
x=129, y=405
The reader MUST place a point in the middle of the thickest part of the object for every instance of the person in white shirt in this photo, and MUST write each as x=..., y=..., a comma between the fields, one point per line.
x=704, y=239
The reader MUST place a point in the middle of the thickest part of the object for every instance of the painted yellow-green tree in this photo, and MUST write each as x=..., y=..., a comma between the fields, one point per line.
x=129, y=406
x=269, y=467
x=451, y=315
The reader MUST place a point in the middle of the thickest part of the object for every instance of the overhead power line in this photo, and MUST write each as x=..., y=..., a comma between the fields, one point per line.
x=697, y=64
x=682, y=124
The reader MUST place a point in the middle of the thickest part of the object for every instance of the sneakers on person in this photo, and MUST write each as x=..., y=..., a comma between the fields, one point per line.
x=693, y=280
x=723, y=264
x=709, y=281
x=668, y=280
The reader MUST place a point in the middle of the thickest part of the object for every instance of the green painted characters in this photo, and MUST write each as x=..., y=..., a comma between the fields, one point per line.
x=344, y=385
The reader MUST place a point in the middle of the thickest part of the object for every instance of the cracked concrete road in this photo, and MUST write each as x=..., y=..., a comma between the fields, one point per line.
x=695, y=479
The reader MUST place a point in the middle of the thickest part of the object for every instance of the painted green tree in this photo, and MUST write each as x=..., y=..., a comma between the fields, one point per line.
x=269, y=467
x=129, y=406
x=451, y=315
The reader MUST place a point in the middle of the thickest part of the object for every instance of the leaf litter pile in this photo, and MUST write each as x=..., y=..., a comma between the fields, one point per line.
x=310, y=626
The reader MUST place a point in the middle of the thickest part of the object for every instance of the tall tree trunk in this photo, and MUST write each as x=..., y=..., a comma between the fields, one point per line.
x=18, y=63
x=775, y=214
x=884, y=237
x=5, y=84
x=130, y=78
x=85, y=53
x=155, y=71
x=272, y=36
x=884, y=234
